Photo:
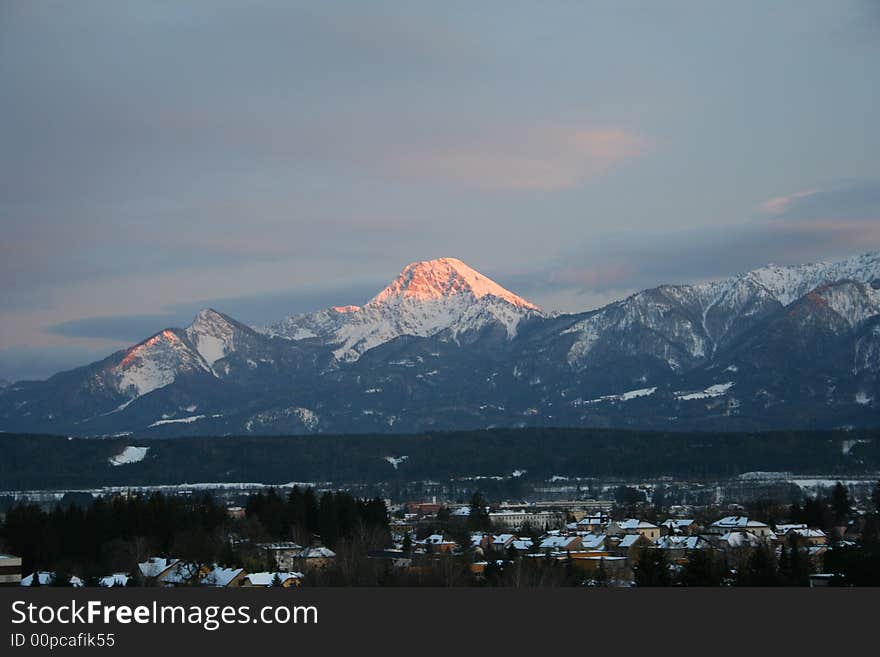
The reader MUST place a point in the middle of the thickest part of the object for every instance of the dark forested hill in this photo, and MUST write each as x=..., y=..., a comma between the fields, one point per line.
x=39, y=461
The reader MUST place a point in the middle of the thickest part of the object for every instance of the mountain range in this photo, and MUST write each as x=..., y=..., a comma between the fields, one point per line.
x=444, y=347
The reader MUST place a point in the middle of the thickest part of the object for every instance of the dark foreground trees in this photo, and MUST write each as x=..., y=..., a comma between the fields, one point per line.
x=113, y=534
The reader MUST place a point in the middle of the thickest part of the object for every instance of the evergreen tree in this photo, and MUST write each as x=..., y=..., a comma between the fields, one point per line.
x=601, y=574
x=36, y=579
x=703, y=568
x=840, y=503
x=478, y=520
x=760, y=569
x=652, y=568
x=276, y=581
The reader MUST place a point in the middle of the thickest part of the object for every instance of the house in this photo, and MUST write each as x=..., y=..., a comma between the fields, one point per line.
x=10, y=570
x=807, y=535
x=741, y=523
x=424, y=509
x=114, y=580
x=224, y=577
x=678, y=547
x=480, y=541
x=522, y=544
x=437, y=543
x=739, y=539
x=783, y=529
x=47, y=578
x=501, y=542
x=183, y=573
x=633, y=526
x=673, y=542
x=397, y=559
x=156, y=567
x=630, y=544
x=617, y=569
x=593, y=541
x=517, y=518
x=678, y=526
x=314, y=558
x=283, y=554
x=593, y=523
x=266, y=579
x=557, y=543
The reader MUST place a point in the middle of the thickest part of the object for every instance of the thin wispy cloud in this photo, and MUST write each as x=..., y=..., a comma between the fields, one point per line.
x=542, y=158
x=780, y=204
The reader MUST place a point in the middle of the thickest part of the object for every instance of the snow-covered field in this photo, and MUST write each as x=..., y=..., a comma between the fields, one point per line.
x=718, y=390
x=129, y=455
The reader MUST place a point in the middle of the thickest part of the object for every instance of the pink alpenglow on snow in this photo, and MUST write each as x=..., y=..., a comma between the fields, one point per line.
x=443, y=277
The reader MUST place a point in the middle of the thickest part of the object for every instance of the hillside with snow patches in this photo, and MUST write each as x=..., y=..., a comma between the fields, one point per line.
x=444, y=347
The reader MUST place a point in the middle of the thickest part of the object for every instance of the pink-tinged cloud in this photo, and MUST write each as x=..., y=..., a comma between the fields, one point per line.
x=537, y=158
x=780, y=204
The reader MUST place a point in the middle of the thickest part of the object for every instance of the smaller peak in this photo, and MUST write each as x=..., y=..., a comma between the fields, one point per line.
x=345, y=309
x=207, y=318
x=209, y=314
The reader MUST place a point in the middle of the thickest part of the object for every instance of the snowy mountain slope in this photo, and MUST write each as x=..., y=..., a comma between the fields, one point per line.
x=686, y=325
x=154, y=363
x=213, y=335
x=426, y=298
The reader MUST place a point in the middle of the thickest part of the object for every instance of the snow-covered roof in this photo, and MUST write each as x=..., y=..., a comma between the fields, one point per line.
x=593, y=541
x=629, y=540
x=265, y=578
x=741, y=538
x=682, y=542
x=181, y=572
x=317, y=553
x=502, y=539
x=557, y=542
x=155, y=566
x=280, y=545
x=46, y=578
x=738, y=522
x=677, y=523
x=807, y=532
x=116, y=579
x=634, y=523
x=221, y=576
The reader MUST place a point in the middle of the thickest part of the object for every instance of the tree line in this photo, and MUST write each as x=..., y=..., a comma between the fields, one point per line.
x=113, y=534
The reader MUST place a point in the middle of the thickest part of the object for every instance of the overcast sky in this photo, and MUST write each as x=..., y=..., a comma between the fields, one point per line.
x=275, y=157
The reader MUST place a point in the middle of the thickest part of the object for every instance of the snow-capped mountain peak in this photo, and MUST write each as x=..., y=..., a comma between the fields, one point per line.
x=443, y=277
x=425, y=299
x=155, y=363
x=212, y=334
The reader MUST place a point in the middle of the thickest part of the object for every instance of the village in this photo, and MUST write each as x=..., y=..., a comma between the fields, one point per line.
x=591, y=543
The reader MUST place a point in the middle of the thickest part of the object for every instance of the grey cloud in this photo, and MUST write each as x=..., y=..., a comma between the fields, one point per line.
x=35, y=363
x=817, y=224
x=255, y=310
x=850, y=201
